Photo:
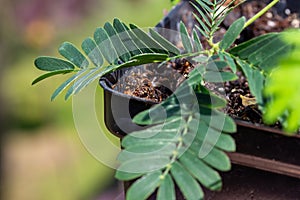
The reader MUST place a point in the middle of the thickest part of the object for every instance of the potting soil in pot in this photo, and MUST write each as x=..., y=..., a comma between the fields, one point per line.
x=154, y=82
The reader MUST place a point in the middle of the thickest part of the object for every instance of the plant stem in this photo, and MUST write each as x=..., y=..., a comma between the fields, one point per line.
x=184, y=131
x=260, y=13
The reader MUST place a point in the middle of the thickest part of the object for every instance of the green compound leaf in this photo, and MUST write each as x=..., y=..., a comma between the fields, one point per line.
x=119, y=45
x=263, y=52
x=144, y=187
x=46, y=63
x=232, y=33
x=199, y=132
x=187, y=184
x=70, y=52
x=210, y=14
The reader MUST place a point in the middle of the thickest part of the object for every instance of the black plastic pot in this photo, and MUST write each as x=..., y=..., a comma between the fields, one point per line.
x=269, y=147
x=119, y=108
x=264, y=155
x=262, y=152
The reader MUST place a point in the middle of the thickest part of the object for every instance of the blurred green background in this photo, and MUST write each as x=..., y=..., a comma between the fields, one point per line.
x=42, y=156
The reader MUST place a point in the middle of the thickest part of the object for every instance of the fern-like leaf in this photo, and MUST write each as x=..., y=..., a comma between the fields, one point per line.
x=210, y=14
x=121, y=46
x=183, y=138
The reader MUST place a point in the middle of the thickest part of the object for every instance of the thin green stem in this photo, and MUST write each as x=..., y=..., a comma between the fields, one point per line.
x=186, y=55
x=184, y=131
x=260, y=13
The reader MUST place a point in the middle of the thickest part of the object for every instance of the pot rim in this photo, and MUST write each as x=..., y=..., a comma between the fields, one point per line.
x=261, y=127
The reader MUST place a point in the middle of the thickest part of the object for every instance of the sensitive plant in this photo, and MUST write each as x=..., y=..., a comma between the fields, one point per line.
x=186, y=145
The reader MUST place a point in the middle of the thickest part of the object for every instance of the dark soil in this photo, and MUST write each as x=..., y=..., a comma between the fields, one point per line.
x=154, y=82
x=235, y=91
x=276, y=19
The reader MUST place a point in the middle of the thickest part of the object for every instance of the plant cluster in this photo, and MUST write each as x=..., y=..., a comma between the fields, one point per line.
x=186, y=145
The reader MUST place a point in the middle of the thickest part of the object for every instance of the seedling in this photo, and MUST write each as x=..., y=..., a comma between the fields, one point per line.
x=186, y=145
